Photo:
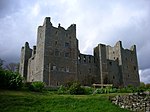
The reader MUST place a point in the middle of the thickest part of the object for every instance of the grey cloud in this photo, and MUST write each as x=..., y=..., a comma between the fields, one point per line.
x=145, y=75
x=8, y=7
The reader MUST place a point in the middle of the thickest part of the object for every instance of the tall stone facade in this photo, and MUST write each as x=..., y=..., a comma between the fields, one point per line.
x=57, y=60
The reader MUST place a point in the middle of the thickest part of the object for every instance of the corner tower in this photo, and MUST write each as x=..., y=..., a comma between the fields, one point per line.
x=56, y=54
x=26, y=53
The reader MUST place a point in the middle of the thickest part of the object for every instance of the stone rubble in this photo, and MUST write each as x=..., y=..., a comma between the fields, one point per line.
x=139, y=102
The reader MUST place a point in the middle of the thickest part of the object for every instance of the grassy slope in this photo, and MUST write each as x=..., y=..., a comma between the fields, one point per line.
x=17, y=101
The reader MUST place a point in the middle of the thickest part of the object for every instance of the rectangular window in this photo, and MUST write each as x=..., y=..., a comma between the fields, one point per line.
x=110, y=63
x=94, y=59
x=90, y=70
x=134, y=67
x=67, y=44
x=67, y=69
x=89, y=59
x=67, y=54
x=79, y=58
x=56, y=53
x=53, y=67
x=113, y=77
x=84, y=59
x=55, y=42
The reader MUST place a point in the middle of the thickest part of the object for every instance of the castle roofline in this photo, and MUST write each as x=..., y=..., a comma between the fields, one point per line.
x=47, y=20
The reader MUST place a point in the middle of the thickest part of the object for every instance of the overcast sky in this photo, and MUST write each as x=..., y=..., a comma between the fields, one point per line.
x=98, y=21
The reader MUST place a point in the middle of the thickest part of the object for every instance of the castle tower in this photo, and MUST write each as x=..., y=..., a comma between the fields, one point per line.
x=116, y=65
x=101, y=61
x=26, y=53
x=54, y=58
x=60, y=54
x=130, y=73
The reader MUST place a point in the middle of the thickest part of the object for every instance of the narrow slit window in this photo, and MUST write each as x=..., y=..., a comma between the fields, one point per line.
x=84, y=59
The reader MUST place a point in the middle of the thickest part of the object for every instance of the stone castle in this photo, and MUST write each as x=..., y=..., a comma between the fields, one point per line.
x=57, y=60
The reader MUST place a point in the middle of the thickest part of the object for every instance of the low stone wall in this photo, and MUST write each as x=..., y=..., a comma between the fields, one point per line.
x=139, y=102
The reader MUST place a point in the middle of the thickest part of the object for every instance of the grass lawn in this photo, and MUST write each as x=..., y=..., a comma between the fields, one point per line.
x=23, y=101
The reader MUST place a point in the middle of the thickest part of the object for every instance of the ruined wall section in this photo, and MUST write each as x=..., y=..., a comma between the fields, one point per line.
x=87, y=70
x=113, y=73
x=130, y=67
x=32, y=66
x=101, y=62
x=114, y=56
x=127, y=65
x=26, y=53
x=97, y=63
x=37, y=61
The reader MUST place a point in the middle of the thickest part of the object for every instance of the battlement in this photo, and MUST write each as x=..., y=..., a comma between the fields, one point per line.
x=47, y=20
x=133, y=48
x=72, y=27
x=85, y=59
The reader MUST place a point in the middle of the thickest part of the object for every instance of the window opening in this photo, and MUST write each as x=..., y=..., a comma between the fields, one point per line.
x=67, y=54
x=67, y=44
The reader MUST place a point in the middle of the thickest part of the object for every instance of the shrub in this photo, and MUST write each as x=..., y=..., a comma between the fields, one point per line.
x=62, y=90
x=37, y=86
x=141, y=89
x=27, y=84
x=88, y=90
x=76, y=89
x=113, y=90
x=3, y=79
x=142, y=84
x=15, y=81
x=147, y=86
x=125, y=90
x=51, y=88
x=105, y=90
x=69, y=84
x=10, y=80
x=99, y=91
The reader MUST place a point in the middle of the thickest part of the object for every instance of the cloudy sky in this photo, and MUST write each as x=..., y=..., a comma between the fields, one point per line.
x=98, y=21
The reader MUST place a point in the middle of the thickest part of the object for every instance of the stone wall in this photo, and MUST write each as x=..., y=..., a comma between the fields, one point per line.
x=87, y=70
x=139, y=102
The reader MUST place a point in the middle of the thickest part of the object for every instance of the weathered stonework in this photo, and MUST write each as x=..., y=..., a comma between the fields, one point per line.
x=57, y=60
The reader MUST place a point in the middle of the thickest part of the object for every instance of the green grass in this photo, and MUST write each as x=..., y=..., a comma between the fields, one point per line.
x=23, y=101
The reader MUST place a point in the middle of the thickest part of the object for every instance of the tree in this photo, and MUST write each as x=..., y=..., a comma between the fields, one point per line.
x=1, y=64
x=142, y=84
x=10, y=80
x=147, y=85
x=13, y=67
